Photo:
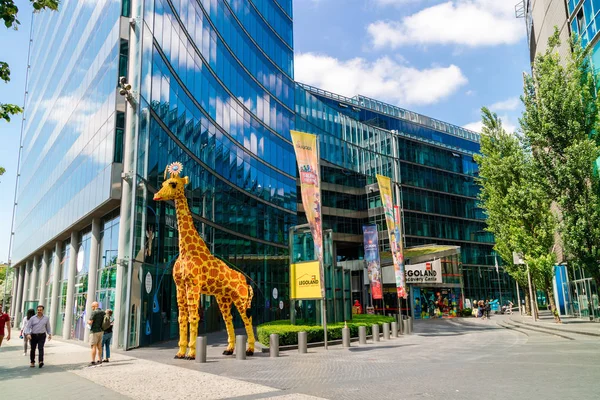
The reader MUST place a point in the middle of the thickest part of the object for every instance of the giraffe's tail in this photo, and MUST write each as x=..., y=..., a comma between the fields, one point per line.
x=249, y=299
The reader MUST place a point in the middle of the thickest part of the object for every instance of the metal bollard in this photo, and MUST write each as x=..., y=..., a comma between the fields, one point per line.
x=410, y=325
x=362, y=335
x=375, y=331
x=201, y=349
x=274, y=345
x=345, y=337
x=394, y=329
x=405, y=327
x=386, y=331
x=302, y=342
x=240, y=347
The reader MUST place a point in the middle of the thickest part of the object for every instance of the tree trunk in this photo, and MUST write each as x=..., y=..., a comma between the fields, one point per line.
x=527, y=304
x=550, y=295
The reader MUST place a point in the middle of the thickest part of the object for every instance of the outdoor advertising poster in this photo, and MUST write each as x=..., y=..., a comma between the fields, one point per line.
x=304, y=280
x=385, y=190
x=371, y=243
x=307, y=157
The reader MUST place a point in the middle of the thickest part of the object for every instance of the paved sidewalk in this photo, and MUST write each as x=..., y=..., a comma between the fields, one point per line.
x=568, y=325
x=66, y=375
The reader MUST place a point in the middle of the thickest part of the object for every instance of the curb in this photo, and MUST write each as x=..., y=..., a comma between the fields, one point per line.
x=554, y=328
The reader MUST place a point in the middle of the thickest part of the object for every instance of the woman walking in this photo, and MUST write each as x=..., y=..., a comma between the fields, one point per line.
x=30, y=313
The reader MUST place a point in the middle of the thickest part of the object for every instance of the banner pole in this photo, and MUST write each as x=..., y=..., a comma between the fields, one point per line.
x=321, y=256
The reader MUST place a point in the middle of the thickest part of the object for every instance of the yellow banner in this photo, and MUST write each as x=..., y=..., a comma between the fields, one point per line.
x=307, y=157
x=305, y=281
x=385, y=190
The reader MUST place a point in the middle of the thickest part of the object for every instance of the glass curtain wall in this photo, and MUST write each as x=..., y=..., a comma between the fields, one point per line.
x=51, y=271
x=63, y=283
x=217, y=95
x=81, y=285
x=107, y=268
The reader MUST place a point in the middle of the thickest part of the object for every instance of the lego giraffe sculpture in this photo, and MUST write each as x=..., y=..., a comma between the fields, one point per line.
x=197, y=271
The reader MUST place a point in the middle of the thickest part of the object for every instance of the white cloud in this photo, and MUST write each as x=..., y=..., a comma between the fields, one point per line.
x=383, y=79
x=508, y=125
x=506, y=105
x=471, y=23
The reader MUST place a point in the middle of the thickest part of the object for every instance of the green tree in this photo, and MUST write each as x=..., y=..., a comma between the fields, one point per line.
x=515, y=202
x=8, y=13
x=560, y=125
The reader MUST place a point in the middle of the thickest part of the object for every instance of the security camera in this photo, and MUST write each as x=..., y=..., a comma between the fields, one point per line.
x=122, y=80
x=123, y=92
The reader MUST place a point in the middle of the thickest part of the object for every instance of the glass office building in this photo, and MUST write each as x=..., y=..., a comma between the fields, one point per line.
x=431, y=160
x=212, y=87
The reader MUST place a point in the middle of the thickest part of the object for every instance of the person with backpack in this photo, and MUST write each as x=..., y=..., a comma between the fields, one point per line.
x=107, y=329
x=96, y=332
x=30, y=313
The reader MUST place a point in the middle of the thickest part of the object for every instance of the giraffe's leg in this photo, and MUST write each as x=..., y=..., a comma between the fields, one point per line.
x=225, y=307
x=183, y=320
x=241, y=305
x=193, y=301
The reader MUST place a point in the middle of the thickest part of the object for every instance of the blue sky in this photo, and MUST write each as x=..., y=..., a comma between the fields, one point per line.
x=441, y=58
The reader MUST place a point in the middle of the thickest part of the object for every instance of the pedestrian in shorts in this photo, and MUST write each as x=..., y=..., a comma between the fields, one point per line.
x=96, y=332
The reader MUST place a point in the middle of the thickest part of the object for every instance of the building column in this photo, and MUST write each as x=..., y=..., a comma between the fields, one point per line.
x=44, y=279
x=93, y=272
x=15, y=292
x=53, y=312
x=19, y=295
x=34, y=278
x=66, y=333
x=26, y=282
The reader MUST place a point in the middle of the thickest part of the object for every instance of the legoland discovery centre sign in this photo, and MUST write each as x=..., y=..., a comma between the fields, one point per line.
x=427, y=272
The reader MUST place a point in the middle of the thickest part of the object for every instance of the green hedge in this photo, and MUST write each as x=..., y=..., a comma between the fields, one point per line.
x=288, y=334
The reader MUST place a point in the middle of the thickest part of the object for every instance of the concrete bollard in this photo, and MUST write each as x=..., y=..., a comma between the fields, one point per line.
x=274, y=345
x=240, y=347
x=362, y=335
x=302, y=342
x=375, y=330
x=201, y=349
x=394, y=329
x=346, y=337
x=386, y=331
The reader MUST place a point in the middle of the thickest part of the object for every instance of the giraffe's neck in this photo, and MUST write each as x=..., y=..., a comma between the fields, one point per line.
x=187, y=231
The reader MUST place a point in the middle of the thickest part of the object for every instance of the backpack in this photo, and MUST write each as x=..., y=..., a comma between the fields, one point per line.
x=106, y=323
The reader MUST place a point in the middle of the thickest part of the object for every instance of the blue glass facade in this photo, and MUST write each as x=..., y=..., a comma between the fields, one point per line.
x=218, y=95
x=585, y=22
x=437, y=171
x=70, y=116
x=214, y=89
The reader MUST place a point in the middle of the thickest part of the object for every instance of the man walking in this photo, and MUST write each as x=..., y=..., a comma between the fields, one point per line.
x=96, y=332
x=4, y=321
x=36, y=329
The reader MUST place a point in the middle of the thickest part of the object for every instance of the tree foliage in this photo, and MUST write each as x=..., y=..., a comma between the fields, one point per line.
x=8, y=13
x=514, y=200
x=560, y=125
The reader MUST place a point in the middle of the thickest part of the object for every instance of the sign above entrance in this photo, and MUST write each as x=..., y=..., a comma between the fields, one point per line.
x=427, y=272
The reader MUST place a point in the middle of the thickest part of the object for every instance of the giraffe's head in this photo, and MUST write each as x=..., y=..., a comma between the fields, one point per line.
x=172, y=188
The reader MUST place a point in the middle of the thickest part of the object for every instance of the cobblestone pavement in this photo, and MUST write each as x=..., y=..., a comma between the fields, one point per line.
x=66, y=375
x=449, y=359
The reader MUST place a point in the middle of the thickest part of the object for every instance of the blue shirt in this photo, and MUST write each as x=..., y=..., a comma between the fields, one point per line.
x=38, y=325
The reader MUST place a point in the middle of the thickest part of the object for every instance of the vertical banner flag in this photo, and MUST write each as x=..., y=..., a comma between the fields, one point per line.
x=305, y=146
x=372, y=259
x=385, y=190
